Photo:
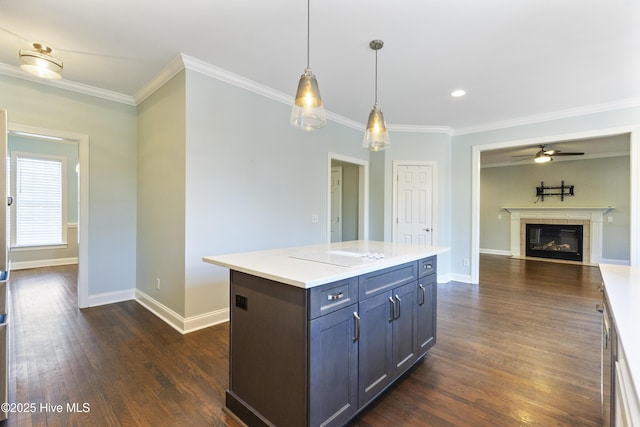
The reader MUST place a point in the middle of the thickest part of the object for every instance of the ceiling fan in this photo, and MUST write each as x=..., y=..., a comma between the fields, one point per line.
x=546, y=155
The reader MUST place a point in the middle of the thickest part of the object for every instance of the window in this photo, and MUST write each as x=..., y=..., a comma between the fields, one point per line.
x=37, y=218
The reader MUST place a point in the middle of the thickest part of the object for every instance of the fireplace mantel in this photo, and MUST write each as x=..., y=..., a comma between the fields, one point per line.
x=563, y=211
x=594, y=216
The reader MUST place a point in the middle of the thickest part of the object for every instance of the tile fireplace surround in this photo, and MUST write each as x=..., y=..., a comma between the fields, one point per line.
x=591, y=218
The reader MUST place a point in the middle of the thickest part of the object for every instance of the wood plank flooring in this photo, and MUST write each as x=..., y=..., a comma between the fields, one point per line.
x=520, y=349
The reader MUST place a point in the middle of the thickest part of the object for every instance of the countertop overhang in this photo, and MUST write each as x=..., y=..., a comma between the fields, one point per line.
x=314, y=265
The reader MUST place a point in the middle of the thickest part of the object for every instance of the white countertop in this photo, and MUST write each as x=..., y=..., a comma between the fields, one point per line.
x=310, y=266
x=622, y=287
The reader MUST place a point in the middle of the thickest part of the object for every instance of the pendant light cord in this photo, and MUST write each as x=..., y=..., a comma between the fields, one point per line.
x=376, y=78
x=308, y=28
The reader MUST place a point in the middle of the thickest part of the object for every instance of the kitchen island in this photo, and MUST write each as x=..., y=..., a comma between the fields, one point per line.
x=318, y=332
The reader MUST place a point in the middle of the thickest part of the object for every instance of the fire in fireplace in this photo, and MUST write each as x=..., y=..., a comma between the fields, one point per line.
x=554, y=241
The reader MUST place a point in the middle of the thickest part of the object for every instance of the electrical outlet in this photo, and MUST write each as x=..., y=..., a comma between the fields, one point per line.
x=315, y=218
x=157, y=283
x=609, y=219
x=465, y=262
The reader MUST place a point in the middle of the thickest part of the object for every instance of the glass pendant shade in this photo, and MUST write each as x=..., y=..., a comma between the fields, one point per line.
x=376, y=136
x=308, y=112
x=40, y=63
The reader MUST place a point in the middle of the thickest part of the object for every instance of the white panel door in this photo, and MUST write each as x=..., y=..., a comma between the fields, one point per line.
x=414, y=204
x=336, y=204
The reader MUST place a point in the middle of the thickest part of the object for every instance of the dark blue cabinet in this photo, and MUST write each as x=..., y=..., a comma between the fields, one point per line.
x=315, y=357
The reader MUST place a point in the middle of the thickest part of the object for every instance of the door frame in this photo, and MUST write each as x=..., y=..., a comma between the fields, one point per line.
x=363, y=194
x=434, y=196
x=634, y=154
x=83, y=215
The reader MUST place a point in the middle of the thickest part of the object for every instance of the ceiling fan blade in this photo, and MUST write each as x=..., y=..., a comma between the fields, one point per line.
x=568, y=154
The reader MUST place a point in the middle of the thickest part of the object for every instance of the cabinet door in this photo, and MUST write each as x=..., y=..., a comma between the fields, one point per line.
x=427, y=313
x=333, y=367
x=375, y=349
x=405, y=332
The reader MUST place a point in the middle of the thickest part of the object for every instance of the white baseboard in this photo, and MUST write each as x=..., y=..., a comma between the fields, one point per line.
x=495, y=252
x=615, y=261
x=23, y=265
x=111, y=297
x=178, y=322
x=464, y=278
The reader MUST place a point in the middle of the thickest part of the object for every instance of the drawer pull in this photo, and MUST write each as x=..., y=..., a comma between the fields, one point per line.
x=428, y=266
x=333, y=297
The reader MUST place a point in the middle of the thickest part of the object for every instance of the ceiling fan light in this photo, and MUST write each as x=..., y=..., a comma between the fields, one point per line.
x=376, y=135
x=40, y=62
x=542, y=157
x=308, y=112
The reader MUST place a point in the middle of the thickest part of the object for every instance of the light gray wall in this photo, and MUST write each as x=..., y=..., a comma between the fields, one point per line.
x=597, y=182
x=161, y=194
x=461, y=166
x=252, y=181
x=111, y=128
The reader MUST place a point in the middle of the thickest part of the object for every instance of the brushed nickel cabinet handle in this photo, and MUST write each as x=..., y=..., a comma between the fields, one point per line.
x=600, y=308
x=422, y=294
x=398, y=307
x=356, y=326
x=392, y=309
x=333, y=297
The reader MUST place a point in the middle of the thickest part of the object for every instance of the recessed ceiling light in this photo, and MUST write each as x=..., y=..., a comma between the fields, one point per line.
x=458, y=93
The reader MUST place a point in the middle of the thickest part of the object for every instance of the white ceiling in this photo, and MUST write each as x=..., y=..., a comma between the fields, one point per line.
x=517, y=59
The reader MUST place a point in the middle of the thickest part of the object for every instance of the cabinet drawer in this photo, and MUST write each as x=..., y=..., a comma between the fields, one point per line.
x=379, y=281
x=427, y=266
x=332, y=296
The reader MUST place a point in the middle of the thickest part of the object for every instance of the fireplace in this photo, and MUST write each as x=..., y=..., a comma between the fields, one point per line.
x=558, y=241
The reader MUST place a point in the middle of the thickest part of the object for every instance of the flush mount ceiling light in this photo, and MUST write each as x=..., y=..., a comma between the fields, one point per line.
x=308, y=112
x=458, y=93
x=39, y=62
x=376, y=136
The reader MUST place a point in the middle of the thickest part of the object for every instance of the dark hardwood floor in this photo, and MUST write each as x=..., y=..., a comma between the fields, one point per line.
x=520, y=349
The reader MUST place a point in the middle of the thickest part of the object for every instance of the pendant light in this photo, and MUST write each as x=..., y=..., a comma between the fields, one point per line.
x=40, y=62
x=308, y=112
x=376, y=136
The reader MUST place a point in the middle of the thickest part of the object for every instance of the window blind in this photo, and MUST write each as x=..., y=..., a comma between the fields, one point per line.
x=38, y=201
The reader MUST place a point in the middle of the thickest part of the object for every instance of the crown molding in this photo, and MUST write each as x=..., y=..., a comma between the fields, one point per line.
x=13, y=71
x=556, y=115
x=421, y=129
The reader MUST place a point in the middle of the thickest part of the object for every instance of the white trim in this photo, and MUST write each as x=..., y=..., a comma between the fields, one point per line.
x=494, y=252
x=178, y=322
x=555, y=115
x=13, y=71
x=421, y=129
x=634, y=132
x=23, y=265
x=363, y=194
x=614, y=261
x=110, y=298
x=83, y=220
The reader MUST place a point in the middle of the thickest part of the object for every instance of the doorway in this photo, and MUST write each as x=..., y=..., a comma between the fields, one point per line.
x=634, y=137
x=79, y=223
x=348, y=199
